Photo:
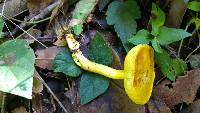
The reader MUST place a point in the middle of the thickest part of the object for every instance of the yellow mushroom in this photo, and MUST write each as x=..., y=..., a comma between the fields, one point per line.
x=138, y=73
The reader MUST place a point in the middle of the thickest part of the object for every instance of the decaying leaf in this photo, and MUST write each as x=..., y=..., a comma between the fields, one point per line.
x=14, y=7
x=37, y=84
x=193, y=108
x=20, y=109
x=45, y=57
x=176, y=13
x=183, y=90
x=157, y=106
x=36, y=6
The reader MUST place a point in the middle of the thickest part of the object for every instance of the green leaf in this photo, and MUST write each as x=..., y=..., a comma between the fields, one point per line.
x=156, y=46
x=91, y=86
x=82, y=10
x=16, y=68
x=194, y=5
x=1, y=26
x=170, y=67
x=170, y=35
x=157, y=19
x=64, y=63
x=99, y=51
x=142, y=37
x=122, y=16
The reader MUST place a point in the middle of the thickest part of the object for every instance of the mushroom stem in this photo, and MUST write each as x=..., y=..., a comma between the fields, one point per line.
x=88, y=65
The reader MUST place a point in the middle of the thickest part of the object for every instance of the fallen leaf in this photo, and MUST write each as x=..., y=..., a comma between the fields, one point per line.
x=193, y=108
x=20, y=109
x=183, y=90
x=14, y=7
x=37, y=103
x=36, y=6
x=176, y=13
x=37, y=84
x=114, y=100
x=157, y=106
x=45, y=57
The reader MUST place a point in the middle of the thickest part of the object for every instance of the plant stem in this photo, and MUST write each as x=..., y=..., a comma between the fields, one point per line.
x=180, y=46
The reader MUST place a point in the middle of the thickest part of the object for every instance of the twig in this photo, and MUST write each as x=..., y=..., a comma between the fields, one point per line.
x=25, y=32
x=30, y=22
x=180, y=46
x=50, y=91
x=3, y=102
x=40, y=16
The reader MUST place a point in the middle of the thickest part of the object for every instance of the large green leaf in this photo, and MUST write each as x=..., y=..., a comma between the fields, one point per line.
x=122, y=16
x=142, y=37
x=169, y=35
x=157, y=19
x=99, y=51
x=194, y=5
x=82, y=10
x=64, y=63
x=170, y=67
x=91, y=86
x=16, y=68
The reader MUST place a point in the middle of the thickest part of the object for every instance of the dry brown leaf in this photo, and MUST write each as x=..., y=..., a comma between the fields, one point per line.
x=37, y=104
x=176, y=13
x=45, y=57
x=20, y=109
x=157, y=106
x=36, y=6
x=183, y=90
x=14, y=7
x=37, y=85
x=193, y=108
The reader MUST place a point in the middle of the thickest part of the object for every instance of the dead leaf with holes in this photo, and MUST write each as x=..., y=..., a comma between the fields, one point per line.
x=183, y=90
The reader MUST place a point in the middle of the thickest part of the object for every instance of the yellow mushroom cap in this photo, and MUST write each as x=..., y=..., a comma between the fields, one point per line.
x=139, y=73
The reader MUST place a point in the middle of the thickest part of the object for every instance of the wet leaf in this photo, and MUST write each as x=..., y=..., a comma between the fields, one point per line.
x=183, y=90
x=16, y=68
x=122, y=15
x=64, y=63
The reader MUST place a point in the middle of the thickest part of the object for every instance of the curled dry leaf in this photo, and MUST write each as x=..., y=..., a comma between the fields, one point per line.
x=45, y=57
x=183, y=90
